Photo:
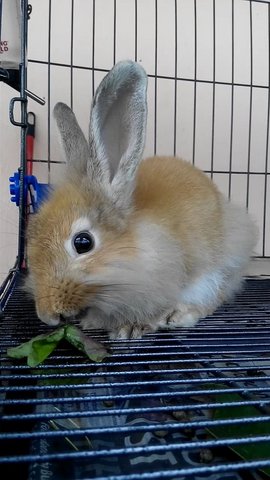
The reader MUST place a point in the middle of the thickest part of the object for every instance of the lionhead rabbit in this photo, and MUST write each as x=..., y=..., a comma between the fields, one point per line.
x=134, y=244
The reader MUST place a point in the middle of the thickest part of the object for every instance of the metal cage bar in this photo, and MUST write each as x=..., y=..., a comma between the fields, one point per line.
x=153, y=409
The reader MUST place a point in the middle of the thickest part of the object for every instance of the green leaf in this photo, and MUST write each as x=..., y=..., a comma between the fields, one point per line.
x=249, y=451
x=94, y=350
x=38, y=347
x=41, y=349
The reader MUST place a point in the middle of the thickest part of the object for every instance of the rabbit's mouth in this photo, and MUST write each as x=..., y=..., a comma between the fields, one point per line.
x=53, y=320
x=58, y=319
x=63, y=302
x=79, y=316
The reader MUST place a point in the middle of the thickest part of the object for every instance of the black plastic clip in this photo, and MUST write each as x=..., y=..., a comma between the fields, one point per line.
x=4, y=73
x=29, y=11
x=11, y=112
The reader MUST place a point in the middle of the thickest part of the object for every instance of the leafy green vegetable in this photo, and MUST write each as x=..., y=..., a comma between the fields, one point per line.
x=39, y=348
x=249, y=451
x=94, y=350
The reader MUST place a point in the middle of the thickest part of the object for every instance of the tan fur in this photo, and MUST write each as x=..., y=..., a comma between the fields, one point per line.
x=181, y=198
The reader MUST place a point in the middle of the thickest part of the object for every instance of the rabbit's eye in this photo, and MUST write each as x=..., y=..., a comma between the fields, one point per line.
x=83, y=242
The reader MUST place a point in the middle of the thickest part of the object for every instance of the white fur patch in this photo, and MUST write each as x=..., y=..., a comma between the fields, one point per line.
x=80, y=225
x=204, y=290
x=142, y=287
x=225, y=277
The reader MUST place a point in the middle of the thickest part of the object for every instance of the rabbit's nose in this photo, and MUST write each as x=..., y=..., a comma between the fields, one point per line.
x=50, y=319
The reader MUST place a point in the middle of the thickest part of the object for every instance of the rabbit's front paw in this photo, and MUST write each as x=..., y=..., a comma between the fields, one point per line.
x=180, y=319
x=130, y=332
x=183, y=316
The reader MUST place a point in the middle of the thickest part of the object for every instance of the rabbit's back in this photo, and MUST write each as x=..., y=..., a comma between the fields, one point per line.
x=181, y=198
x=212, y=231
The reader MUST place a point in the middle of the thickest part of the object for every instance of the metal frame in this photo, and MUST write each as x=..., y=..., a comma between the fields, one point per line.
x=23, y=100
x=167, y=367
x=6, y=288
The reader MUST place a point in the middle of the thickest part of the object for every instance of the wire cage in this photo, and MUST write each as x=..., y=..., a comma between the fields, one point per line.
x=193, y=403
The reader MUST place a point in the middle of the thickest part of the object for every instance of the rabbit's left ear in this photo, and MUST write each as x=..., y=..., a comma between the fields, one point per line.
x=117, y=130
x=74, y=143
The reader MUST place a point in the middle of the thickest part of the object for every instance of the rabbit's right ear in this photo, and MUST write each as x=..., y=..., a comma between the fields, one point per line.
x=117, y=131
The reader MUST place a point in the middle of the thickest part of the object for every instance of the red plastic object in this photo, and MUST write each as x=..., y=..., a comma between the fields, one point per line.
x=30, y=136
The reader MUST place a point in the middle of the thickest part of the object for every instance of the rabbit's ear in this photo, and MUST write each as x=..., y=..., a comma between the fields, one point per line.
x=117, y=129
x=75, y=145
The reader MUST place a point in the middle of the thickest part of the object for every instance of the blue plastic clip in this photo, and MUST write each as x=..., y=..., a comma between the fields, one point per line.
x=39, y=191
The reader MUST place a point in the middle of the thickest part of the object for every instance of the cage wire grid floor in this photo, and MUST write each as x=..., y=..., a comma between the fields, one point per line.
x=172, y=405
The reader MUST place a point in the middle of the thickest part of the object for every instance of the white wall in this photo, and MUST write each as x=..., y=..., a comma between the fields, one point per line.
x=249, y=139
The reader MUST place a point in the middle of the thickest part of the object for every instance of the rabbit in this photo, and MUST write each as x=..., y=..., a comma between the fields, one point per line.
x=126, y=244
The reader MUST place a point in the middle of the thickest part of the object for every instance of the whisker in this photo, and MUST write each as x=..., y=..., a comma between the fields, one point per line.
x=113, y=300
x=118, y=285
x=131, y=248
x=127, y=247
x=102, y=285
x=45, y=297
